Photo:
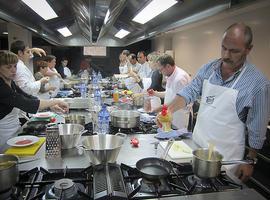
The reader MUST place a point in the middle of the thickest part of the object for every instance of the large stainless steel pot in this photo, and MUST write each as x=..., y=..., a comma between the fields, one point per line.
x=125, y=118
x=70, y=134
x=75, y=119
x=205, y=168
x=9, y=173
x=103, y=148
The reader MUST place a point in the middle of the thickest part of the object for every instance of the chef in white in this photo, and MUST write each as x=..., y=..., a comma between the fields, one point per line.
x=177, y=79
x=24, y=77
x=235, y=98
x=145, y=71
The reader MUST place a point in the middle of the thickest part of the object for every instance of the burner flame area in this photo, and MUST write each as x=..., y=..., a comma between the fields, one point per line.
x=64, y=189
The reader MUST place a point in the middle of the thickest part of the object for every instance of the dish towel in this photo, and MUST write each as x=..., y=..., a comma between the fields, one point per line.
x=26, y=151
x=173, y=134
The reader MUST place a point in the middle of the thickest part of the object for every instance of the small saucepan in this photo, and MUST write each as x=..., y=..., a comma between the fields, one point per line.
x=210, y=168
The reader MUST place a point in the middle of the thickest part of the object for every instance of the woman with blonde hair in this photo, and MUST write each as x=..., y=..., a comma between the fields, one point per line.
x=13, y=99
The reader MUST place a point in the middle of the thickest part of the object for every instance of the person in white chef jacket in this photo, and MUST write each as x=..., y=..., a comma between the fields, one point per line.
x=13, y=99
x=145, y=72
x=24, y=77
x=124, y=62
x=177, y=78
x=235, y=98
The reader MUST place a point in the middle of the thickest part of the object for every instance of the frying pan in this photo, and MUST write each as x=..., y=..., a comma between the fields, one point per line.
x=153, y=168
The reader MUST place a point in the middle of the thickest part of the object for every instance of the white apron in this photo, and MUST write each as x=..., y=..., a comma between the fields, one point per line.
x=218, y=120
x=180, y=117
x=146, y=83
x=9, y=126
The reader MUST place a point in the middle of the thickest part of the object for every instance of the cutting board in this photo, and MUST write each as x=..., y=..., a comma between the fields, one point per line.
x=26, y=151
x=178, y=150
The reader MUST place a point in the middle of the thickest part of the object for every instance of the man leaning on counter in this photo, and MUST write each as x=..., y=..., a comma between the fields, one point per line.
x=235, y=98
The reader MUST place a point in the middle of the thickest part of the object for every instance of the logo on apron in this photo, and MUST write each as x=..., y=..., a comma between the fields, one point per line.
x=210, y=99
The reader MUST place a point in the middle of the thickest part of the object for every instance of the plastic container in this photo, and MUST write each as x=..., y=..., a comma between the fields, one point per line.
x=99, y=76
x=83, y=90
x=115, y=95
x=165, y=118
x=103, y=120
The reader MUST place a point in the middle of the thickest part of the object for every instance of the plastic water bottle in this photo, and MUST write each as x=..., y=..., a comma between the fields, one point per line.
x=83, y=90
x=94, y=79
x=99, y=77
x=97, y=97
x=103, y=120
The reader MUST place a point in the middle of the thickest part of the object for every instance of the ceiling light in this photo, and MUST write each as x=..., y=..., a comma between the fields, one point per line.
x=152, y=10
x=42, y=8
x=64, y=31
x=122, y=33
x=107, y=17
x=5, y=33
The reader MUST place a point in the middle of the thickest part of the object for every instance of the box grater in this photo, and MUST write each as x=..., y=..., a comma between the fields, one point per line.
x=53, y=142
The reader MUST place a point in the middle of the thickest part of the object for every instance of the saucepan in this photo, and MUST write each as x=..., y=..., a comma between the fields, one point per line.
x=204, y=167
x=125, y=118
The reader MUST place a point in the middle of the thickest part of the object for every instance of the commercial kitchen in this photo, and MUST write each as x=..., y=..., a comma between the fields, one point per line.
x=102, y=131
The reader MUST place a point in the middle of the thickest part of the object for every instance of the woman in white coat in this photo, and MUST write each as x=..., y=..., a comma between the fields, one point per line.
x=13, y=99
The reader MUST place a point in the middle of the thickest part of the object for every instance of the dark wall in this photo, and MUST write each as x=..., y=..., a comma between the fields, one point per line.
x=4, y=43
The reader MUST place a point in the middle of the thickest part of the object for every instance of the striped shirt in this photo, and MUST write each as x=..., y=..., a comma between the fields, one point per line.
x=253, y=100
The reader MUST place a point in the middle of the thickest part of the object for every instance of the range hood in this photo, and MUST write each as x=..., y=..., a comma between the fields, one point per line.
x=85, y=19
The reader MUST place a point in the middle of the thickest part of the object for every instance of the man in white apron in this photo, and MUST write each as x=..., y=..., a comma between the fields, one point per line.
x=177, y=79
x=235, y=96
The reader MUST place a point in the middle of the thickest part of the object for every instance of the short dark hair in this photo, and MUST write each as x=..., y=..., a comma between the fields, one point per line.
x=247, y=32
x=49, y=58
x=166, y=59
x=17, y=46
x=142, y=52
x=133, y=56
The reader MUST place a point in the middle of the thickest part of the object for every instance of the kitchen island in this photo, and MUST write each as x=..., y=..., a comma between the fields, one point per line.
x=75, y=158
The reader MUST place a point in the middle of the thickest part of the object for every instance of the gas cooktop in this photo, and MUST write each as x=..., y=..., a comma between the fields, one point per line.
x=112, y=181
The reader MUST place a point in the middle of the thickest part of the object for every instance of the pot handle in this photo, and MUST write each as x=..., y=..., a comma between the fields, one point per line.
x=121, y=135
x=167, y=148
x=84, y=131
x=248, y=162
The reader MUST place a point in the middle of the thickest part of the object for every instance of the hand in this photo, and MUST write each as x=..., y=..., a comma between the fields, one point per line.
x=38, y=51
x=51, y=88
x=244, y=172
x=61, y=106
x=151, y=92
x=45, y=79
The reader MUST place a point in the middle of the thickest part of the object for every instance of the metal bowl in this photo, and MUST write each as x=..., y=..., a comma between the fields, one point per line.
x=102, y=148
x=70, y=134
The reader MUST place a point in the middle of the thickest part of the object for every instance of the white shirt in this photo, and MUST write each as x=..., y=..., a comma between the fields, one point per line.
x=67, y=72
x=136, y=67
x=26, y=80
x=177, y=80
x=123, y=69
x=145, y=71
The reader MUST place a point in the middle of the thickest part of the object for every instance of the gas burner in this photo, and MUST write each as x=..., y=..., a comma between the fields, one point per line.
x=148, y=186
x=64, y=189
x=199, y=182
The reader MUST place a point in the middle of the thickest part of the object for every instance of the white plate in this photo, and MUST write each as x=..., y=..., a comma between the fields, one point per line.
x=42, y=115
x=15, y=142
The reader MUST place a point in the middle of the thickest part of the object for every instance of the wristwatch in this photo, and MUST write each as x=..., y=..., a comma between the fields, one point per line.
x=253, y=160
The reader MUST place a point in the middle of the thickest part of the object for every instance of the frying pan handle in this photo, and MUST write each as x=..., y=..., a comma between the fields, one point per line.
x=167, y=148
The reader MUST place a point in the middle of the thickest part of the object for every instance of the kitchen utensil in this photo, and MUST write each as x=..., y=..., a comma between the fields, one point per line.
x=75, y=119
x=154, y=168
x=70, y=134
x=53, y=142
x=26, y=151
x=178, y=150
x=9, y=174
x=103, y=148
x=10, y=162
x=23, y=141
x=125, y=118
x=204, y=168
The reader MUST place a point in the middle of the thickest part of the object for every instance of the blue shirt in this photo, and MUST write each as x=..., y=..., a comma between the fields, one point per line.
x=253, y=100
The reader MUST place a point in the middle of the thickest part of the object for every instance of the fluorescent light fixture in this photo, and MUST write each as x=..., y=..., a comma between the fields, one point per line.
x=122, y=33
x=5, y=33
x=152, y=10
x=42, y=8
x=107, y=17
x=64, y=31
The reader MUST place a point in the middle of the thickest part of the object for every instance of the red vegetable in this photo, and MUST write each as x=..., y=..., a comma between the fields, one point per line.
x=134, y=142
x=52, y=120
